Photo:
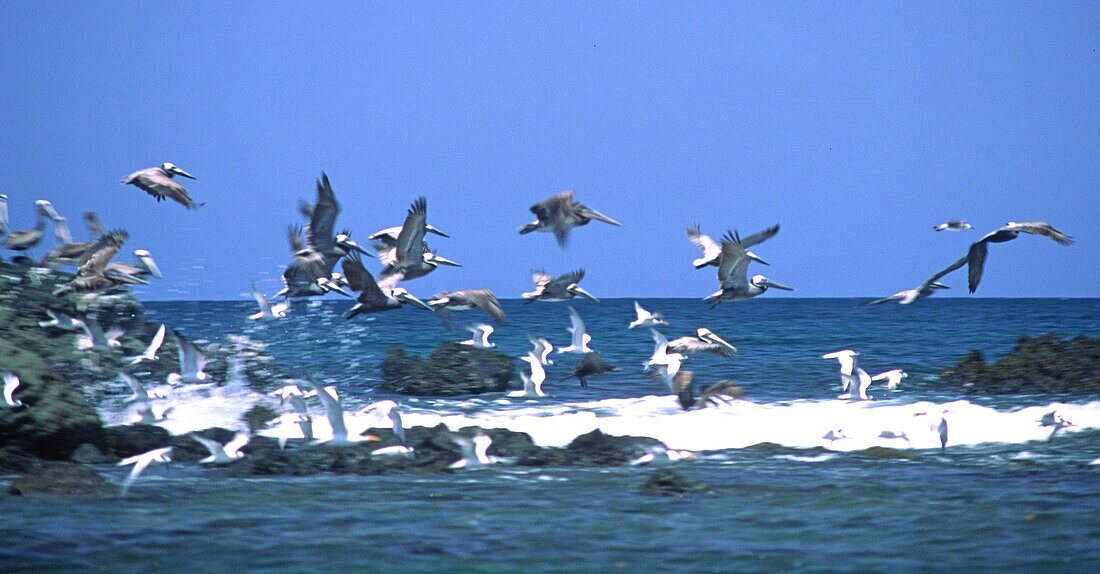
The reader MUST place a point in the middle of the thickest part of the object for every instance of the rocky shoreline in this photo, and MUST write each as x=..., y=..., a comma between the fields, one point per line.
x=1044, y=364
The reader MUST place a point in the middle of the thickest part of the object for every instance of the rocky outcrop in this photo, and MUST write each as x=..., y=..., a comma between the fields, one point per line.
x=1045, y=364
x=451, y=369
x=665, y=482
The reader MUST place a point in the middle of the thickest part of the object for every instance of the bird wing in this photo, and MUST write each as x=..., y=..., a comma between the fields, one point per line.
x=191, y=359
x=95, y=259
x=154, y=345
x=11, y=382
x=134, y=384
x=710, y=247
x=1043, y=228
x=261, y=300
x=95, y=227
x=485, y=300
x=943, y=272
x=576, y=327
x=359, y=279
x=410, y=242
x=976, y=263
x=541, y=278
x=553, y=207
x=239, y=441
x=585, y=212
x=294, y=237
x=215, y=448
x=333, y=409
x=758, y=238
x=322, y=221
x=692, y=345
x=732, y=271
x=563, y=281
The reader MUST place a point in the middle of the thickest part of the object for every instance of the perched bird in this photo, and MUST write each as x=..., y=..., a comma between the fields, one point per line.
x=24, y=240
x=192, y=362
x=532, y=384
x=95, y=338
x=892, y=378
x=475, y=451
x=268, y=312
x=975, y=258
x=140, y=393
x=481, y=334
x=952, y=225
x=704, y=341
x=542, y=349
x=135, y=272
x=219, y=454
x=310, y=271
x=591, y=365
x=447, y=301
x=660, y=455
x=11, y=382
x=646, y=319
x=733, y=278
x=334, y=411
x=59, y=320
x=150, y=352
x=159, y=183
x=64, y=250
x=562, y=288
x=712, y=250
x=382, y=414
x=410, y=256
x=559, y=214
x=684, y=386
x=664, y=364
x=141, y=462
x=375, y=296
x=580, y=337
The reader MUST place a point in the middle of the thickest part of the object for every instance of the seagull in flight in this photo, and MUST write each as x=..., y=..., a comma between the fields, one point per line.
x=219, y=454
x=532, y=384
x=580, y=337
x=95, y=338
x=952, y=225
x=475, y=451
x=192, y=362
x=480, y=337
x=385, y=413
x=140, y=393
x=542, y=349
x=11, y=382
x=268, y=312
x=926, y=289
x=334, y=410
x=646, y=319
x=59, y=320
x=662, y=363
x=892, y=378
x=150, y=352
x=141, y=462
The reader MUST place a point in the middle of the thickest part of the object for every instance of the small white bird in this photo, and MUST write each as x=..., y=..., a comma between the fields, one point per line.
x=542, y=349
x=148, y=414
x=150, y=352
x=581, y=339
x=861, y=390
x=952, y=225
x=891, y=434
x=219, y=454
x=288, y=425
x=334, y=411
x=665, y=364
x=383, y=412
x=892, y=378
x=1053, y=419
x=662, y=456
x=646, y=319
x=475, y=451
x=142, y=461
x=268, y=312
x=532, y=384
x=141, y=394
x=835, y=435
x=295, y=397
x=397, y=449
x=848, y=360
x=480, y=339
x=59, y=320
x=11, y=382
x=192, y=362
x=95, y=338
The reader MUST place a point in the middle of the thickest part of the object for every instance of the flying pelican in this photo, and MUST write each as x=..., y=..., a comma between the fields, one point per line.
x=268, y=312
x=375, y=296
x=684, y=386
x=59, y=320
x=952, y=225
x=334, y=410
x=192, y=362
x=975, y=258
x=542, y=349
x=150, y=352
x=145, y=267
x=310, y=271
x=712, y=251
x=559, y=214
x=24, y=240
x=646, y=319
x=11, y=382
x=158, y=182
x=562, y=288
x=925, y=289
x=590, y=365
x=848, y=360
x=664, y=364
x=580, y=337
x=95, y=338
x=141, y=462
x=475, y=451
x=704, y=341
x=481, y=334
x=411, y=257
x=892, y=378
x=385, y=413
x=732, y=275
x=386, y=240
x=219, y=454
x=140, y=393
x=92, y=270
x=660, y=455
x=532, y=384
x=447, y=301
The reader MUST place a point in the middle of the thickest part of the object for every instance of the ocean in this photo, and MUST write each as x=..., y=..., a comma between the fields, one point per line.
x=782, y=497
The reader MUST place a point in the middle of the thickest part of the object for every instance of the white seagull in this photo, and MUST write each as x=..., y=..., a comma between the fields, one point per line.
x=284, y=425
x=150, y=352
x=334, y=410
x=892, y=378
x=480, y=339
x=95, y=338
x=219, y=454
x=383, y=412
x=660, y=455
x=148, y=414
x=192, y=362
x=141, y=394
x=268, y=312
x=952, y=225
x=665, y=364
x=59, y=320
x=581, y=338
x=475, y=451
x=11, y=382
x=848, y=360
x=542, y=349
x=646, y=319
x=532, y=384
x=142, y=461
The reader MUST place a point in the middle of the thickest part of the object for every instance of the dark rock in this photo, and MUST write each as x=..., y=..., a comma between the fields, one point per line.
x=187, y=449
x=452, y=369
x=599, y=449
x=61, y=479
x=14, y=461
x=665, y=482
x=1043, y=364
x=90, y=454
x=128, y=440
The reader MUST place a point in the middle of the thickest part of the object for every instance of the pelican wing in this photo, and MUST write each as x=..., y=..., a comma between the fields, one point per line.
x=95, y=227
x=710, y=247
x=410, y=242
x=1042, y=228
x=757, y=238
x=976, y=263
x=95, y=259
x=732, y=271
x=360, y=280
x=485, y=300
x=564, y=281
x=294, y=237
x=554, y=207
x=322, y=221
x=945, y=271
x=693, y=345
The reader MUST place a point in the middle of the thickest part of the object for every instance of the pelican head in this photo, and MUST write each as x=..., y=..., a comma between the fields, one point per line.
x=438, y=260
x=171, y=169
x=46, y=208
x=146, y=260
x=764, y=283
x=756, y=258
x=578, y=290
x=344, y=241
x=402, y=295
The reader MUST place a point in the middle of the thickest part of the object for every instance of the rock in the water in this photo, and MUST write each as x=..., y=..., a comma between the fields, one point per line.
x=90, y=454
x=128, y=440
x=452, y=369
x=665, y=482
x=599, y=449
x=1043, y=364
x=61, y=479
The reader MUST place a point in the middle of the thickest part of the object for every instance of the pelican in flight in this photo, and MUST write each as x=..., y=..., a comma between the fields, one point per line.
x=952, y=225
x=926, y=289
x=375, y=296
x=663, y=364
x=480, y=337
x=310, y=271
x=975, y=258
x=562, y=288
x=580, y=337
x=712, y=250
x=268, y=312
x=532, y=384
x=11, y=382
x=592, y=364
x=542, y=349
x=159, y=183
x=223, y=454
x=733, y=275
x=141, y=462
x=192, y=362
x=893, y=378
x=136, y=272
x=24, y=240
x=683, y=385
x=646, y=319
x=386, y=240
x=411, y=257
x=92, y=270
x=704, y=341
x=447, y=301
x=559, y=214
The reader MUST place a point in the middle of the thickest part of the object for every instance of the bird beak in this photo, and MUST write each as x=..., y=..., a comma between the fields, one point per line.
x=49, y=211
x=445, y=261
x=415, y=301
x=779, y=286
x=580, y=291
x=353, y=311
x=940, y=286
x=601, y=217
x=151, y=265
x=182, y=173
x=353, y=245
x=126, y=278
x=756, y=258
x=431, y=229
x=372, y=438
x=329, y=285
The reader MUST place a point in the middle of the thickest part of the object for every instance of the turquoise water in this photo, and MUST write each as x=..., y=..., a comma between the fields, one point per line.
x=1000, y=497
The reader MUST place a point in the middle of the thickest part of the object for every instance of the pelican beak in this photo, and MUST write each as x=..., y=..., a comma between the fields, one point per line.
x=940, y=286
x=150, y=265
x=327, y=285
x=601, y=217
x=353, y=311
x=578, y=290
x=445, y=261
x=182, y=173
x=431, y=229
x=126, y=278
x=47, y=209
x=756, y=258
x=779, y=286
x=351, y=245
x=416, y=301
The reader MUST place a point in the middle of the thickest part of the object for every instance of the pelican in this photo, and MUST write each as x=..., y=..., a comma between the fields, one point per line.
x=268, y=312
x=542, y=350
x=590, y=365
x=580, y=337
x=562, y=288
x=704, y=341
x=59, y=320
x=375, y=296
x=646, y=319
x=159, y=183
x=684, y=387
x=386, y=241
x=952, y=225
x=447, y=301
x=664, y=364
x=192, y=362
x=334, y=410
x=24, y=240
x=95, y=338
x=310, y=271
x=732, y=275
x=411, y=257
x=141, y=462
x=219, y=454
x=848, y=360
x=892, y=378
x=559, y=214
x=64, y=250
x=150, y=352
x=975, y=258
x=385, y=413
x=11, y=382
x=145, y=267
x=140, y=393
x=660, y=455
x=475, y=451
x=712, y=251
x=92, y=270
x=925, y=289
x=532, y=384
x=481, y=334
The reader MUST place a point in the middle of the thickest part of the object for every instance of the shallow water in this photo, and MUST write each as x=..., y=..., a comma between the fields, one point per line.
x=1001, y=496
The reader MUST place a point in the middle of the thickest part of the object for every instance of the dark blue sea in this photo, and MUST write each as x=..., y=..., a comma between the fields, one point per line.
x=999, y=497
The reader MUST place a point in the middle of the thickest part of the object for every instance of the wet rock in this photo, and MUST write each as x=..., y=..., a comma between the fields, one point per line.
x=665, y=482
x=187, y=449
x=90, y=454
x=599, y=449
x=451, y=369
x=61, y=479
x=1045, y=364
x=128, y=440
x=258, y=416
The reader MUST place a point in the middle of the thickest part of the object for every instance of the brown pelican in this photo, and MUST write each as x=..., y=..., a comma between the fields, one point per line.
x=704, y=341
x=158, y=182
x=925, y=289
x=645, y=318
x=952, y=225
x=683, y=385
x=93, y=273
x=559, y=214
x=590, y=365
x=24, y=240
x=975, y=259
x=562, y=288
x=310, y=272
x=145, y=266
x=65, y=251
x=410, y=254
x=732, y=275
x=483, y=299
x=375, y=296
x=712, y=251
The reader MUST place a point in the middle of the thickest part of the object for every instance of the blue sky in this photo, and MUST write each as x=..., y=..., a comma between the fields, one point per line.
x=857, y=127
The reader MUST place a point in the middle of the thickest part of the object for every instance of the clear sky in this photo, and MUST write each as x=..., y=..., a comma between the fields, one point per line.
x=855, y=126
